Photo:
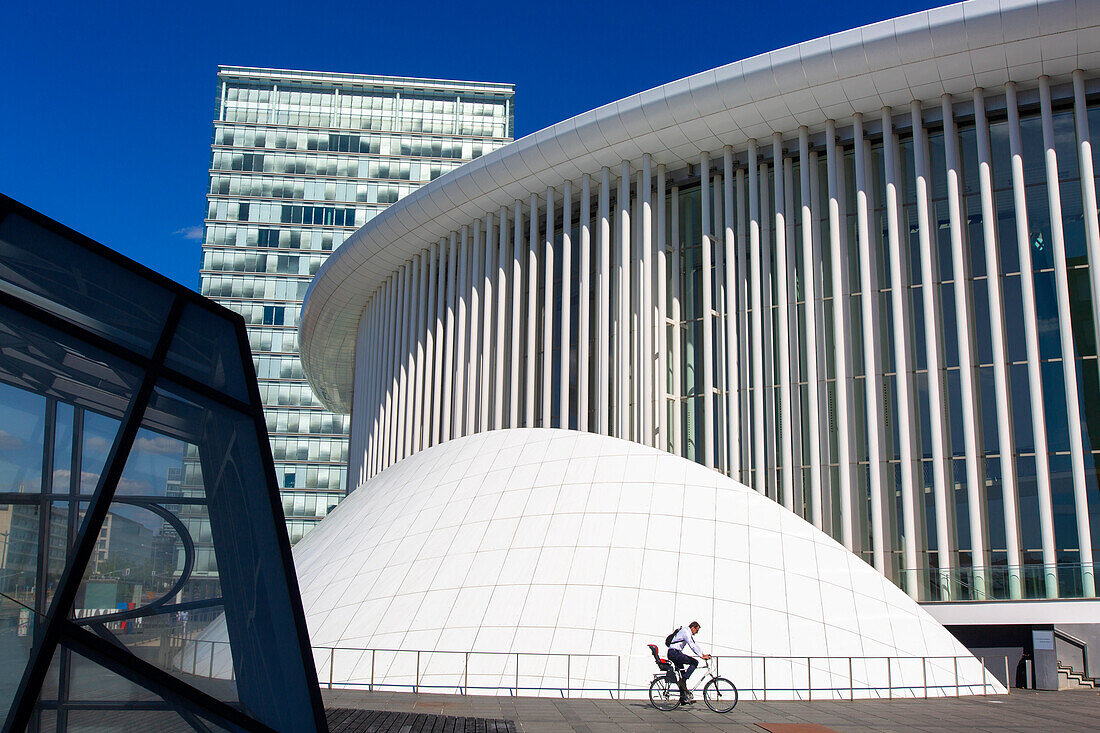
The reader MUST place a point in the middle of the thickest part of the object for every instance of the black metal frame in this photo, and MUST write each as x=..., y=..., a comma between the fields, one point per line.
x=58, y=631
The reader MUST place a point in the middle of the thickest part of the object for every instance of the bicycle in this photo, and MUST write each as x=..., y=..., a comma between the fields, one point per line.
x=719, y=693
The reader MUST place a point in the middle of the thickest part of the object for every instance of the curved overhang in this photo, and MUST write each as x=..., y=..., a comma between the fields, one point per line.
x=949, y=50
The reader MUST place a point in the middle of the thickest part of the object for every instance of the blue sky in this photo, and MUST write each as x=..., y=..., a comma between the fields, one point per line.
x=107, y=108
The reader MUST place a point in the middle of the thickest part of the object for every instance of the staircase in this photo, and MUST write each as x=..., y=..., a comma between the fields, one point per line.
x=1068, y=679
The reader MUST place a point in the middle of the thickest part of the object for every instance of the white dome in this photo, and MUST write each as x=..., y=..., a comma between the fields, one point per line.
x=536, y=541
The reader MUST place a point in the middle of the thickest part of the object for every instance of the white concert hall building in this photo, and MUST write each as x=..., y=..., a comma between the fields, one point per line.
x=803, y=346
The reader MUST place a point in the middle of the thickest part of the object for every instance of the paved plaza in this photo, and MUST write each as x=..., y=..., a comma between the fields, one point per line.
x=1022, y=710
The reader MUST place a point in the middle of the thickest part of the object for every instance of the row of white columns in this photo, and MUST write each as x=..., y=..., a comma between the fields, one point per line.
x=435, y=329
x=450, y=341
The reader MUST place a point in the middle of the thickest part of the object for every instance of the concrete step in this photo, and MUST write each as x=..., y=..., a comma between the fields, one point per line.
x=1068, y=679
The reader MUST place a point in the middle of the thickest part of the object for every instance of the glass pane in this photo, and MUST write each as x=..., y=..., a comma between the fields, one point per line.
x=245, y=522
x=100, y=699
x=154, y=552
x=206, y=347
x=19, y=532
x=99, y=434
x=81, y=286
x=17, y=630
x=22, y=434
x=45, y=361
x=61, y=527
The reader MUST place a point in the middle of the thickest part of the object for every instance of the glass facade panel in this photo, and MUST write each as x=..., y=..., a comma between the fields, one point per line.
x=53, y=272
x=125, y=512
x=205, y=348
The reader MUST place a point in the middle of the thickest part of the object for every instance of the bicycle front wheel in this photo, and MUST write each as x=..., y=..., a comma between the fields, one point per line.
x=663, y=694
x=720, y=695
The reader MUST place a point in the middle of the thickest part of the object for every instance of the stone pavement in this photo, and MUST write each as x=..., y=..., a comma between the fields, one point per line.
x=1022, y=710
x=345, y=720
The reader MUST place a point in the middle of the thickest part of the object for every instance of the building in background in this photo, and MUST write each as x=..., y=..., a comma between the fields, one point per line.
x=860, y=275
x=300, y=160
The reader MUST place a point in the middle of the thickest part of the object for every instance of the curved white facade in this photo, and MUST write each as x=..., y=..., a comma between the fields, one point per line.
x=846, y=273
x=535, y=541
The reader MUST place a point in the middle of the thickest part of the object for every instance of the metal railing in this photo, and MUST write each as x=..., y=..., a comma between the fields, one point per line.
x=1079, y=644
x=567, y=675
x=998, y=582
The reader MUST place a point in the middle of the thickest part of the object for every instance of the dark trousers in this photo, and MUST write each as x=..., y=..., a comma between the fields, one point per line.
x=681, y=661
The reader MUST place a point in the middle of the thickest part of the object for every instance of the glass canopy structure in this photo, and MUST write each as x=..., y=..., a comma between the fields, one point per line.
x=138, y=502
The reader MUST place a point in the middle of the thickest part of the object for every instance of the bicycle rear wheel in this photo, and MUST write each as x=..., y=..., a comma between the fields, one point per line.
x=720, y=695
x=663, y=694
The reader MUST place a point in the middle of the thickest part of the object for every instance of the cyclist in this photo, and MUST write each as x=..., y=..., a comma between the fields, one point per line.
x=685, y=638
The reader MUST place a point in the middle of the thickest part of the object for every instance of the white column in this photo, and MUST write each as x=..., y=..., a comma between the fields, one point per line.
x=548, y=315
x=368, y=411
x=359, y=440
x=718, y=333
x=645, y=292
x=811, y=266
x=1031, y=340
x=635, y=344
x=420, y=363
x=793, y=344
x=733, y=424
x=463, y=293
x=661, y=384
x=743, y=337
x=759, y=481
x=583, y=300
x=489, y=267
x=432, y=350
x=622, y=364
x=1088, y=194
x=376, y=378
x=822, y=346
x=382, y=458
x=399, y=376
x=566, y=278
x=404, y=389
x=872, y=379
x=410, y=357
x=532, y=310
x=783, y=298
x=502, y=317
x=1069, y=353
x=473, y=375
x=706, y=278
x=929, y=284
x=899, y=295
x=675, y=350
x=603, y=313
x=840, y=335
x=395, y=432
x=363, y=399
x=964, y=326
x=517, y=313
x=381, y=323
x=771, y=448
x=1005, y=438
x=447, y=424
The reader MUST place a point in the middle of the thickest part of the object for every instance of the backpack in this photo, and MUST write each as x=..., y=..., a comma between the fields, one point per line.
x=668, y=639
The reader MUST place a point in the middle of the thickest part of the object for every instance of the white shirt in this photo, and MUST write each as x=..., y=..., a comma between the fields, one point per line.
x=683, y=638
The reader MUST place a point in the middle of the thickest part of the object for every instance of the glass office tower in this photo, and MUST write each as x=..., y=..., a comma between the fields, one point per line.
x=299, y=160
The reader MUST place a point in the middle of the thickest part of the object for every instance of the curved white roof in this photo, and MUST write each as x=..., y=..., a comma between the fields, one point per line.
x=949, y=50
x=536, y=541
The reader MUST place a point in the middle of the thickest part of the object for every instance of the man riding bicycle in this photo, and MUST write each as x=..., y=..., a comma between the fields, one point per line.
x=685, y=638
